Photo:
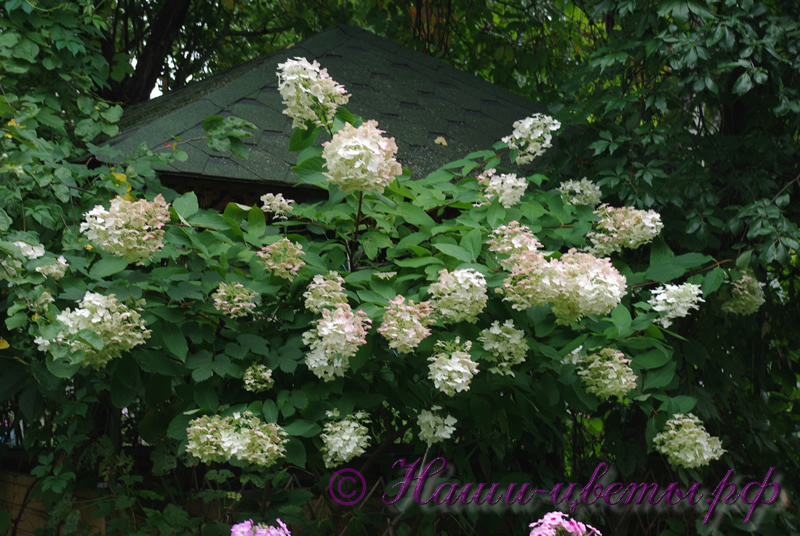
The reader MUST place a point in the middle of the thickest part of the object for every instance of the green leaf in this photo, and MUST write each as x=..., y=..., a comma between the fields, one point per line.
x=743, y=260
x=5, y=220
x=302, y=138
x=415, y=215
x=650, y=360
x=60, y=368
x=454, y=251
x=621, y=318
x=713, y=280
x=296, y=452
x=175, y=341
x=418, y=262
x=256, y=223
x=664, y=272
x=743, y=84
x=302, y=428
x=107, y=266
x=471, y=243
x=205, y=396
x=270, y=411
x=177, y=427
x=91, y=338
x=214, y=125
x=186, y=206
x=660, y=377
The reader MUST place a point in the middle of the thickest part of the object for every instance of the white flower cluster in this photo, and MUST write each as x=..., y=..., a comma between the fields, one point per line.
x=131, y=230
x=559, y=524
x=746, y=296
x=577, y=284
x=506, y=345
x=278, y=206
x=283, y=258
x=345, y=439
x=247, y=528
x=360, y=159
x=582, y=192
x=11, y=265
x=119, y=327
x=325, y=291
x=258, y=378
x=452, y=368
x=242, y=436
x=531, y=136
x=406, y=325
x=434, y=428
x=624, y=227
x=507, y=187
x=234, y=300
x=334, y=339
x=686, y=443
x=309, y=93
x=460, y=295
x=675, y=301
x=56, y=269
x=29, y=251
x=606, y=374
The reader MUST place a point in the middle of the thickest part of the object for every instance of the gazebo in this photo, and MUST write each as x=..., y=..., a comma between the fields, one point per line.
x=435, y=112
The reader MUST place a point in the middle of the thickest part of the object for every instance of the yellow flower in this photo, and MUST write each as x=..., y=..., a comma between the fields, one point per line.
x=88, y=247
x=35, y=317
x=13, y=123
x=3, y=344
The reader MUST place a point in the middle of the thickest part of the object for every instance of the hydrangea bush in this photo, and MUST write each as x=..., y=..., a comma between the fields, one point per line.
x=250, y=358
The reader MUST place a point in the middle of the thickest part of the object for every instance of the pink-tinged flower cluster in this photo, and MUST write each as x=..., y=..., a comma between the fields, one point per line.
x=334, y=339
x=309, y=93
x=506, y=346
x=258, y=378
x=559, y=524
x=606, y=373
x=242, y=436
x=406, y=325
x=686, y=443
x=452, y=368
x=532, y=136
x=675, y=301
x=276, y=205
x=119, y=328
x=247, y=528
x=459, y=295
x=234, y=300
x=344, y=439
x=577, y=284
x=507, y=188
x=513, y=239
x=283, y=258
x=128, y=229
x=325, y=291
x=360, y=159
x=624, y=227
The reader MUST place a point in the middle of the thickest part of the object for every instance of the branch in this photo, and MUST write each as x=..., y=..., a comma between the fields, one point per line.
x=265, y=31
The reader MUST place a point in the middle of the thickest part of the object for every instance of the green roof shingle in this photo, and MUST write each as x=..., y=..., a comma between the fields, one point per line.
x=415, y=98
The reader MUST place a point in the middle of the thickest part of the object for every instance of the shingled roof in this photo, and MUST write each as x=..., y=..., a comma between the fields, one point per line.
x=414, y=97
